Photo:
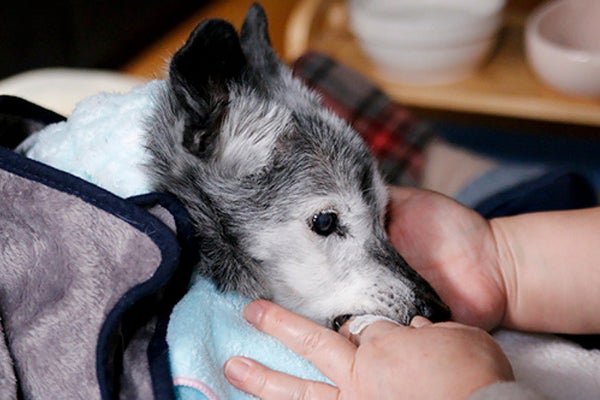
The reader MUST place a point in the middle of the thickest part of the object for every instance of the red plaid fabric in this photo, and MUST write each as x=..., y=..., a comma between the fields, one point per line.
x=395, y=137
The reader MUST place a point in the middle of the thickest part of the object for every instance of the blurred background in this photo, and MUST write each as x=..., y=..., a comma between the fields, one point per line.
x=83, y=33
x=502, y=109
x=118, y=34
x=107, y=34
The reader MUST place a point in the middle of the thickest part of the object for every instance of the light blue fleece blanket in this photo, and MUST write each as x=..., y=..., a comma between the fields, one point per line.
x=102, y=141
x=206, y=328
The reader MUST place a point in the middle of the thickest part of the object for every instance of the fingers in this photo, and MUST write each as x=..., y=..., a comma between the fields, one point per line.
x=254, y=378
x=331, y=353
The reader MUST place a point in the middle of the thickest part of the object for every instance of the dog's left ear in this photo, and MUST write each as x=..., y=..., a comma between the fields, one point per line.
x=256, y=43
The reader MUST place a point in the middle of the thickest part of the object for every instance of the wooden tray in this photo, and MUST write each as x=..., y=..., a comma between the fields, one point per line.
x=505, y=86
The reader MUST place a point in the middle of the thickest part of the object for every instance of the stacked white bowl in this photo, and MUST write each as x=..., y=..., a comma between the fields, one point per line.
x=426, y=41
x=563, y=45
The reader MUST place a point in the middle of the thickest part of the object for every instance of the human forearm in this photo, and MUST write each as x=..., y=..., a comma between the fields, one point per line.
x=551, y=269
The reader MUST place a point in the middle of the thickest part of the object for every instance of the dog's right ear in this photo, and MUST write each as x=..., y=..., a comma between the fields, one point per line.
x=210, y=58
x=199, y=76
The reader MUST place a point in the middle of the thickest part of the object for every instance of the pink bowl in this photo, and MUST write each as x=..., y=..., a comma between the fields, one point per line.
x=562, y=40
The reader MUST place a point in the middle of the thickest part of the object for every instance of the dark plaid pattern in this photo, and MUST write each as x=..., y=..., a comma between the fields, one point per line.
x=395, y=137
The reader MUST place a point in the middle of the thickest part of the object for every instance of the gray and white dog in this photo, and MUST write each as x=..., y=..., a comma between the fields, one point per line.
x=286, y=198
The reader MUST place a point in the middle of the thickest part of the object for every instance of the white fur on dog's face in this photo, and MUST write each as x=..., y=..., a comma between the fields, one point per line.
x=327, y=276
x=249, y=135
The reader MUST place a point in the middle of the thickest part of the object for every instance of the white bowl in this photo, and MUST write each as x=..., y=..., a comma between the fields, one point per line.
x=563, y=45
x=426, y=41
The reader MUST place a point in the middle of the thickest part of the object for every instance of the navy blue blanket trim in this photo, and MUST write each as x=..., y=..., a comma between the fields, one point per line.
x=145, y=301
x=19, y=118
x=25, y=109
x=158, y=355
x=556, y=190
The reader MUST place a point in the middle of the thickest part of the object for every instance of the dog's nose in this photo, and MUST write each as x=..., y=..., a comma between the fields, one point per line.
x=432, y=308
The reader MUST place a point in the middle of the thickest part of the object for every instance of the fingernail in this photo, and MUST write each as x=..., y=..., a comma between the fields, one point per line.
x=362, y=322
x=253, y=312
x=237, y=370
x=419, y=322
x=345, y=329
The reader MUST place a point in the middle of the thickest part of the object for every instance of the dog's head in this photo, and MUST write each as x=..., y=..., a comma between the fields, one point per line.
x=286, y=198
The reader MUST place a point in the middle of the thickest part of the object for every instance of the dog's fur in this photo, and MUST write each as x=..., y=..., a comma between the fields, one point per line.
x=287, y=201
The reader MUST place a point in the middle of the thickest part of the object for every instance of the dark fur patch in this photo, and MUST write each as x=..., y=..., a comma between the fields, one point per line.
x=202, y=131
x=210, y=57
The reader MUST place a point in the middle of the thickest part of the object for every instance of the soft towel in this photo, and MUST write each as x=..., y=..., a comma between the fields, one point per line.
x=102, y=141
x=554, y=366
x=206, y=328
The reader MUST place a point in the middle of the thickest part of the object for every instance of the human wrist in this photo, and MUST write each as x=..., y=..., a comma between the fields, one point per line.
x=548, y=265
x=506, y=266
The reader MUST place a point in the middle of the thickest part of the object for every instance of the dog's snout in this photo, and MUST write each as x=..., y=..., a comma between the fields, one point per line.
x=432, y=308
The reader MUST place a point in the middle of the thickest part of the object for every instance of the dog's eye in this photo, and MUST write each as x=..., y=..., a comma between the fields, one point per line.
x=324, y=223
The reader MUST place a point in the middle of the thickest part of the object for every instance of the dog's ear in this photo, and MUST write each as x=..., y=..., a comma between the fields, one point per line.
x=199, y=75
x=211, y=57
x=256, y=42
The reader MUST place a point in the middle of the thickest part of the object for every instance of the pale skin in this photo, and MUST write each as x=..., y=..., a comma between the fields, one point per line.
x=536, y=272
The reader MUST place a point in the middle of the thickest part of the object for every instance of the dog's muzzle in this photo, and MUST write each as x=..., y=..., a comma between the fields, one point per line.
x=428, y=306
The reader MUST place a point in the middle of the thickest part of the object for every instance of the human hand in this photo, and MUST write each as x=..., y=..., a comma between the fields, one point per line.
x=454, y=249
x=385, y=361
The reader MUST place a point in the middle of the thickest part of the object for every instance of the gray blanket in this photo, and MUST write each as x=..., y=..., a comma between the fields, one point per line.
x=87, y=280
